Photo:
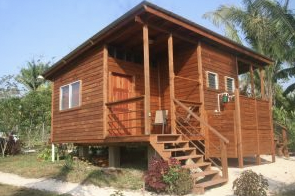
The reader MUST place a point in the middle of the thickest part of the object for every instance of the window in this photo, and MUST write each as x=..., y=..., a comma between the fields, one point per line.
x=212, y=80
x=229, y=84
x=70, y=96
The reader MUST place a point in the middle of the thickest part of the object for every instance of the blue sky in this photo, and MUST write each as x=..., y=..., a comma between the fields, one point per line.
x=51, y=29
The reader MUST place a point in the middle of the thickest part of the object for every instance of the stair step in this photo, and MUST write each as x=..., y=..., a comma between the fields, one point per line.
x=196, y=165
x=172, y=142
x=187, y=157
x=204, y=173
x=178, y=149
x=168, y=135
x=211, y=183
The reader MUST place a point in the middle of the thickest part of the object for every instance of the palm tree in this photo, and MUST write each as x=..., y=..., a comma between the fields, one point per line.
x=29, y=75
x=268, y=27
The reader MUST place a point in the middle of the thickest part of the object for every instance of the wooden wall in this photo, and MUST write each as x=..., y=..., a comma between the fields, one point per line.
x=256, y=126
x=224, y=123
x=82, y=124
x=185, y=65
x=222, y=63
x=136, y=70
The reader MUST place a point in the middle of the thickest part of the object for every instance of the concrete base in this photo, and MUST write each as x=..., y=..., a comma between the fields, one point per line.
x=114, y=156
x=151, y=152
x=83, y=152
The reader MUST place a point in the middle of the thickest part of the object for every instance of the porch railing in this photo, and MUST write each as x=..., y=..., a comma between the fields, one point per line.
x=184, y=127
x=125, y=117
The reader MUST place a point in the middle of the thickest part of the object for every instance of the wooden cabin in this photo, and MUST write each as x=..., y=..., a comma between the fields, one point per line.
x=157, y=79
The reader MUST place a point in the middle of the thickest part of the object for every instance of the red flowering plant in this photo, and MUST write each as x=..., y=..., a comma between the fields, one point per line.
x=154, y=176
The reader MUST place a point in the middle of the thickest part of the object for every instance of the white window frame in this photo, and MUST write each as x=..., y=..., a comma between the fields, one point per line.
x=216, y=80
x=233, y=83
x=70, y=95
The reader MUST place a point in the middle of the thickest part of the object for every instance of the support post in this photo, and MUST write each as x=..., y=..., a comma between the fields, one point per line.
x=171, y=83
x=252, y=81
x=224, y=160
x=258, y=160
x=147, y=109
x=239, y=128
x=262, y=83
x=114, y=156
x=105, y=91
x=201, y=86
x=273, y=151
x=52, y=152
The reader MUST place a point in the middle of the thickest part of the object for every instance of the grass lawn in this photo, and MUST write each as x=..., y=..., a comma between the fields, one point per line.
x=29, y=166
x=7, y=190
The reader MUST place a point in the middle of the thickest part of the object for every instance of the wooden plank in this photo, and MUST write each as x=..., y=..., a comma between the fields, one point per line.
x=125, y=101
x=252, y=81
x=171, y=83
x=146, y=57
x=262, y=83
x=258, y=160
x=238, y=128
x=105, y=90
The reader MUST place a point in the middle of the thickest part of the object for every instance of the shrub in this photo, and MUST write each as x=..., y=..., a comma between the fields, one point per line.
x=168, y=177
x=45, y=154
x=178, y=179
x=154, y=176
x=250, y=183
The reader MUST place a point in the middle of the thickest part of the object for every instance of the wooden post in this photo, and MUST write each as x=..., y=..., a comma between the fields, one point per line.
x=258, y=160
x=224, y=163
x=171, y=83
x=262, y=83
x=201, y=86
x=252, y=80
x=273, y=151
x=52, y=152
x=146, y=62
x=105, y=91
x=239, y=128
x=114, y=156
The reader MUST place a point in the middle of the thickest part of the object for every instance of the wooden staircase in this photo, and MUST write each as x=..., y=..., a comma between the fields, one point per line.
x=178, y=147
x=191, y=150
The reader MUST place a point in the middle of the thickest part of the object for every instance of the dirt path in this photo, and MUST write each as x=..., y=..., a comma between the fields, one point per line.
x=280, y=175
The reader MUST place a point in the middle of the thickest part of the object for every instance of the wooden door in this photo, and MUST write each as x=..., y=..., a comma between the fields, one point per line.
x=121, y=88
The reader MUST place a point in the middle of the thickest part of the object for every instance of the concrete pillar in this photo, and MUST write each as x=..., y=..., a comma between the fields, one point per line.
x=114, y=156
x=151, y=152
x=52, y=152
x=83, y=152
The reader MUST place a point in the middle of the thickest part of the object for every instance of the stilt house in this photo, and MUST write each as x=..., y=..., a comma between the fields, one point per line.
x=157, y=79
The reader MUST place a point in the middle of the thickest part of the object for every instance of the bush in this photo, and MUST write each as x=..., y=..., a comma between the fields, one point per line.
x=154, y=176
x=45, y=154
x=250, y=183
x=168, y=177
x=178, y=179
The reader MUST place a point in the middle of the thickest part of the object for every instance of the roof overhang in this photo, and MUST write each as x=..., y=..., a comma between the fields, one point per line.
x=148, y=8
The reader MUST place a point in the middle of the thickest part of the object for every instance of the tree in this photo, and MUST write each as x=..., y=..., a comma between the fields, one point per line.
x=29, y=75
x=265, y=25
x=9, y=109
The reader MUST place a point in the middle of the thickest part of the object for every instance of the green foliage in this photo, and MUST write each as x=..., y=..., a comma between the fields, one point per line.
x=250, y=183
x=45, y=154
x=117, y=193
x=29, y=75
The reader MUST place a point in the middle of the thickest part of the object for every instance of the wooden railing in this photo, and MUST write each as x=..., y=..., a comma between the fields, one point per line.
x=126, y=117
x=201, y=147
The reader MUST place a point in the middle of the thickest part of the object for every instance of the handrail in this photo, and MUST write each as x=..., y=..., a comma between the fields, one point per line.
x=189, y=79
x=125, y=101
x=280, y=125
x=214, y=131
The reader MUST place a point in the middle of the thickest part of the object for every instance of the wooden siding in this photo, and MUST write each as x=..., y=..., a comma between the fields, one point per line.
x=136, y=70
x=185, y=65
x=82, y=124
x=222, y=63
x=256, y=126
x=224, y=123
